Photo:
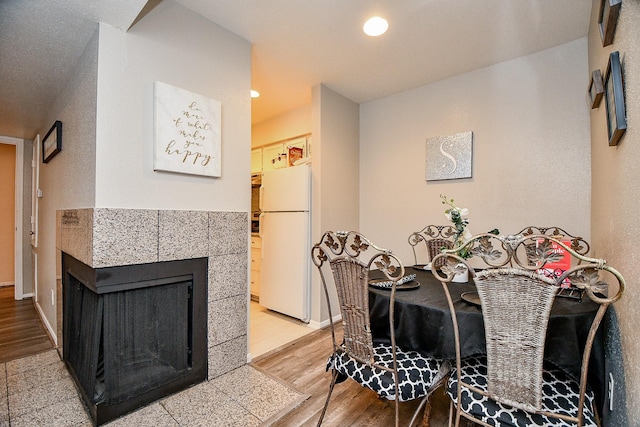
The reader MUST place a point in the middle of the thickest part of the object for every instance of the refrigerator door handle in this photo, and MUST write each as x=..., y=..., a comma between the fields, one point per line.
x=261, y=219
x=261, y=197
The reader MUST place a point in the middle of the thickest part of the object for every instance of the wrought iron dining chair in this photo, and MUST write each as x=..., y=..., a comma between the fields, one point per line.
x=512, y=385
x=433, y=238
x=344, y=260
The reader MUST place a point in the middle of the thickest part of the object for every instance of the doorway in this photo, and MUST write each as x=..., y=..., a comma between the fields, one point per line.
x=11, y=214
x=23, y=333
x=7, y=214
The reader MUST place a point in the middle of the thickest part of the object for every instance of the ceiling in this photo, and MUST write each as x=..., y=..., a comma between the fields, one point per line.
x=295, y=44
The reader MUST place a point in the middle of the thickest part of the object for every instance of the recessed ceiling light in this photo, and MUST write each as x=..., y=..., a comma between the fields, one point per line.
x=375, y=26
x=254, y=93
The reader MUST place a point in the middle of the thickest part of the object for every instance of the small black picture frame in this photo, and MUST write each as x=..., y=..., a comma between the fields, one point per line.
x=614, y=99
x=595, y=89
x=52, y=142
x=608, y=19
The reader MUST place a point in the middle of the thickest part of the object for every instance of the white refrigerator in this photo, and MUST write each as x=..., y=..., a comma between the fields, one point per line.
x=285, y=229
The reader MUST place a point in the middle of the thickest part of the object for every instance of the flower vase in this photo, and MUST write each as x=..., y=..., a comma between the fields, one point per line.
x=461, y=277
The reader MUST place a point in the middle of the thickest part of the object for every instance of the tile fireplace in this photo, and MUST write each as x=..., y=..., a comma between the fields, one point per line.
x=133, y=333
x=155, y=296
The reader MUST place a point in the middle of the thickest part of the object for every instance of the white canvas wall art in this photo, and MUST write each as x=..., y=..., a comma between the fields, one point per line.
x=187, y=132
x=449, y=157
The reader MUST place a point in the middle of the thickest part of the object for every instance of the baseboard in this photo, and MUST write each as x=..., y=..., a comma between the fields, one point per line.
x=320, y=325
x=52, y=335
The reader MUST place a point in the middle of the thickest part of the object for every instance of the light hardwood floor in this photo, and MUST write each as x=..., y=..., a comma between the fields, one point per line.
x=302, y=364
x=21, y=331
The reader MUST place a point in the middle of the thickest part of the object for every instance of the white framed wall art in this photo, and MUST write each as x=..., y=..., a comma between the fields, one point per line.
x=187, y=132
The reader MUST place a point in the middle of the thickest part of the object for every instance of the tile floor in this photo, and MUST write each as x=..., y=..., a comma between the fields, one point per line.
x=269, y=330
x=38, y=391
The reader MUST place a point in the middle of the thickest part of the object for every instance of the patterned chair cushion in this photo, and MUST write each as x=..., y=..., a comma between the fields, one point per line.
x=559, y=394
x=416, y=373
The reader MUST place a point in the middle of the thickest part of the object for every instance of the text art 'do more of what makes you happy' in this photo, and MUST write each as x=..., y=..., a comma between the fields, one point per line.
x=187, y=132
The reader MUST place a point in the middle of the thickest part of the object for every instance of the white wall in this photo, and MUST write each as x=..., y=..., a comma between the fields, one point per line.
x=68, y=180
x=107, y=113
x=335, y=171
x=287, y=125
x=531, y=157
x=174, y=45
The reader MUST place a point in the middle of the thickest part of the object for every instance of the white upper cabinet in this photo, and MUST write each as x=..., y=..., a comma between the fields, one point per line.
x=274, y=157
x=280, y=155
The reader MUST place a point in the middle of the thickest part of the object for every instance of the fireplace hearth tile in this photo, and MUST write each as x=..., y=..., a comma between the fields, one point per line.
x=47, y=374
x=33, y=363
x=228, y=233
x=182, y=234
x=35, y=398
x=227, y=356
x=124, y=237
x=152, y=415
x=205, y=405
x=262, y=395
x=4, y=412
x=243, y=397
x=227, y=276
x=227, y=319
x=68, y=413
x=4, y=407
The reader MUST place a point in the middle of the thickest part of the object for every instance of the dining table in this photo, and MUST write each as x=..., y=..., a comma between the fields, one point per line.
x=423, y=323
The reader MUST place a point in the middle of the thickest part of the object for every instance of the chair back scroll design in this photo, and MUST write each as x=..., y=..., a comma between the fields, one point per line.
x=578, y=244
x=434, y=238
x=350, y=257
x=516, y=301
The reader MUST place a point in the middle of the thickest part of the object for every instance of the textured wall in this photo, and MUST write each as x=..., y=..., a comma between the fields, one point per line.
x=531, y=157
x=68, y=179
x=614, y=202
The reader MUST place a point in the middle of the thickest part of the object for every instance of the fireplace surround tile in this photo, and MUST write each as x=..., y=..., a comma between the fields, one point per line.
x=105, y=237
x=227, y=356
x=75, y=227
x=227, y=319
x=182, y=235
x=227, y=276
x=228, y=233
x=124, y=237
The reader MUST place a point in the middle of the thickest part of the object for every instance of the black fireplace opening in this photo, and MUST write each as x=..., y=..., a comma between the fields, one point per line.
x=133, y=334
